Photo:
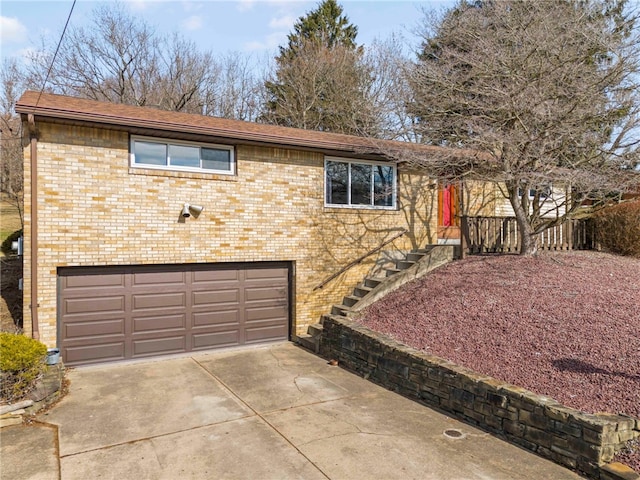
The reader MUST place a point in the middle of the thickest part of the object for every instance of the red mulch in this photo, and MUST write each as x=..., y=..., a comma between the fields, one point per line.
x=565, y=325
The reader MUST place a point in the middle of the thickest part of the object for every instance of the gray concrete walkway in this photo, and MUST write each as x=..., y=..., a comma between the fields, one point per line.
x=274, y=412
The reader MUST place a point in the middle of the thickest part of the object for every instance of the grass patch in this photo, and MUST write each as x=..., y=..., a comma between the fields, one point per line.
x=10, y=272
x=10, y=220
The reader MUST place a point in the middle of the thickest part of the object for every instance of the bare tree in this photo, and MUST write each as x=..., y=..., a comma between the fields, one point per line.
x=238, y=88
x=120, y=58
x=388, y=90
x=116, y=59
x=183, y=78
x=540, y=94
x=11, y=173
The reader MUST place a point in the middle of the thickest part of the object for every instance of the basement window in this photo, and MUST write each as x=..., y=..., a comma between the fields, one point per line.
x=147, y=152
x=359, y=184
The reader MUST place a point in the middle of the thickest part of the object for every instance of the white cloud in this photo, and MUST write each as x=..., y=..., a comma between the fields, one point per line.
x=137, y=5
x=285, y=21
x=285, y=3
x=271, y=42
x=11, y=30
x=245, y=5
x=194, y=22
x=189, y=6
x=283, y=15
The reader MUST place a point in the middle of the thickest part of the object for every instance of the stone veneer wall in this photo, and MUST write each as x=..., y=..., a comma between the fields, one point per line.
x=567, y=436
x=94, y=210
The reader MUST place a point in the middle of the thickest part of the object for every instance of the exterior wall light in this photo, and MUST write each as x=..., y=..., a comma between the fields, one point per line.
x=188, y=209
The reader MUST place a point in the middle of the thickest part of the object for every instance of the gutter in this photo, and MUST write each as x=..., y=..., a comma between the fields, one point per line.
x=33, y=139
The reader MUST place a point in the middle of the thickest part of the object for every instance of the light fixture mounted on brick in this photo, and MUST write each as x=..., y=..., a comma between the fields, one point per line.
x=188, y=209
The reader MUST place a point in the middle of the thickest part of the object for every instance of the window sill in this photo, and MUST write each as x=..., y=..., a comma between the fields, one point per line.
x=360, y=209
x=152, y=172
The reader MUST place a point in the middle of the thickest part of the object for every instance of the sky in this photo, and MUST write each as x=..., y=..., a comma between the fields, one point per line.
x=245, y=26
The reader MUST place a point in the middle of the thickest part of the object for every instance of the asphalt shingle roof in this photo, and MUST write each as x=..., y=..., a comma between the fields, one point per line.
x=79, y=110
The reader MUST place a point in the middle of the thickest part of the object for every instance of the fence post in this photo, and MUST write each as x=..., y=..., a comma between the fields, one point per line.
x=464, y=232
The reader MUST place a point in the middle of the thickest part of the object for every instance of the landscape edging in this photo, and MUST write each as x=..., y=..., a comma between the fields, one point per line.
x=572, y=438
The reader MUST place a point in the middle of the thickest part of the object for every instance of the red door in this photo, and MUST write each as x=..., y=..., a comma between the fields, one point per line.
x=448, y=214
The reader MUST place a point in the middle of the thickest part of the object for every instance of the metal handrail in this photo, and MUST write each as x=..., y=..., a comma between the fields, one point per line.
x=358, y=260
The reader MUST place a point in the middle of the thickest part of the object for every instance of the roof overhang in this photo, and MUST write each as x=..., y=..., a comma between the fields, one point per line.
x=150, y=121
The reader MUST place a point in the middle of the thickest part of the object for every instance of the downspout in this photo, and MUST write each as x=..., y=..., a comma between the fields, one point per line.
x=33, y=197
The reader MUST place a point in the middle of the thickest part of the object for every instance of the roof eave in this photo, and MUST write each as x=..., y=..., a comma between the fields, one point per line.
x=127, y=123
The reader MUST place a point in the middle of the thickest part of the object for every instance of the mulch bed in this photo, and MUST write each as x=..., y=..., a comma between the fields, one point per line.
x=565, y=325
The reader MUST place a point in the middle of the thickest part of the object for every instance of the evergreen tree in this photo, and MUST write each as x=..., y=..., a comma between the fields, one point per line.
x=321, y=81
x=323, y=26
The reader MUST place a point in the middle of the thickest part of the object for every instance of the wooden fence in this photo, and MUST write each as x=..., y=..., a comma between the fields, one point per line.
x=501, y=235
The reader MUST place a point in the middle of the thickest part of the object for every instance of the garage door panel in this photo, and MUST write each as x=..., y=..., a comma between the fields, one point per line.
x=266, y=333
x=115, y=313
x=107, y=352
x=165, y=345
x=158, y=278
x=158, y=301
x=218, y=275
x=94, y=329
x=94, y=304
x=216, y=317
x=158, y=323
x=227, y=338
x=94, y=281
x=266, y=313
x=213, y=297
x=256, y=294
x=270, y=273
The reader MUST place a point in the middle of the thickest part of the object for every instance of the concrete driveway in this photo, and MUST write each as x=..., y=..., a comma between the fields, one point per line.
x=275, y=412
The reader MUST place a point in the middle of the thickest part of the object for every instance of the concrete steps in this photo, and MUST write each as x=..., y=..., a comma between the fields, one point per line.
x=370, y=285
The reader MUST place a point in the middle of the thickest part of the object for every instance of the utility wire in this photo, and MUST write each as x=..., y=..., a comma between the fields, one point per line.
x=46, y=79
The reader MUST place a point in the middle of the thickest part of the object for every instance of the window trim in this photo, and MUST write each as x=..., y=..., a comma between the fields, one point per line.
x=545, y=194
x=176, y=168
x=349, y=205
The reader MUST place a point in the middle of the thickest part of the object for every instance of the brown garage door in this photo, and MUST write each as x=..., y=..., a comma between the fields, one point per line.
x=118, y=313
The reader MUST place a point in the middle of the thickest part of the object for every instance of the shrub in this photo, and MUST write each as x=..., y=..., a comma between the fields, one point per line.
x=6, y=244
x=618, y=228
x=22, y=361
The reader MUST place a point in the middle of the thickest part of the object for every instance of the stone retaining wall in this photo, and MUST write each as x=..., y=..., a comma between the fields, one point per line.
x=567, y=436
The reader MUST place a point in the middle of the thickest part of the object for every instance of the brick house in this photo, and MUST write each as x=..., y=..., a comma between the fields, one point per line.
x=115, y=269
x=150, y=232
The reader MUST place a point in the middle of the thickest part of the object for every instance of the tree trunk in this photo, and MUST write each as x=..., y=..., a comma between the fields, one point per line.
x=528, y=239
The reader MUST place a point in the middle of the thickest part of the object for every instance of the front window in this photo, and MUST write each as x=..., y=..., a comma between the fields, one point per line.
x=359, y=184
x=176, y=155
